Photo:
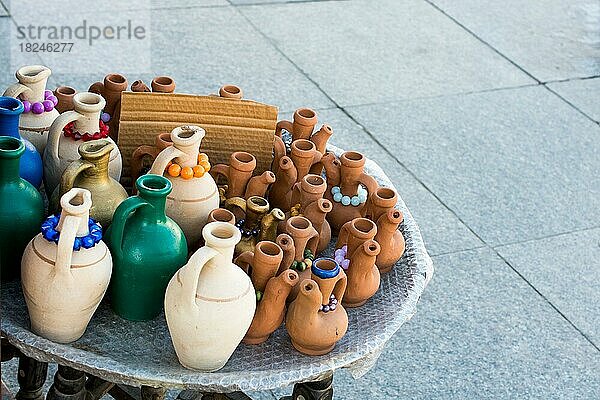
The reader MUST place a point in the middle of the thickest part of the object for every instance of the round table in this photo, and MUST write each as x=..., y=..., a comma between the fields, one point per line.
x=140, y=354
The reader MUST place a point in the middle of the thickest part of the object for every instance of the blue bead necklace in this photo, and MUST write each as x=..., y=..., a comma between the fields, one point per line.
x=88, y=241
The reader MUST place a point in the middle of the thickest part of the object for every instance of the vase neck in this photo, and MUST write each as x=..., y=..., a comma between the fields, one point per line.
x=35, y=78
x=10, y=112
x=11, y=150
x=157, y=210
x=9, y=169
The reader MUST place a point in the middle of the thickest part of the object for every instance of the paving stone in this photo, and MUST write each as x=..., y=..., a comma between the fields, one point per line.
x=441, y=230
x=371, y=52
x=513, y=164
x=260, y=2
x=566, y=270
x=494, y=338
x=551, y=39
x=3, y=10
x=582, y=93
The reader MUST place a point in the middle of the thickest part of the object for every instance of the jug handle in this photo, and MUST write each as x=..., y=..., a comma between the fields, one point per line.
x=340, y=286
x=122, y=213
x=56, y=129
x=236, y=202
x=281, y=125
x=67, y=180
x=188, y=275
x=64, y=252
x=17, y=89
x=163, y=158
x=244, y=260
x=136, y=160
x=296, y=194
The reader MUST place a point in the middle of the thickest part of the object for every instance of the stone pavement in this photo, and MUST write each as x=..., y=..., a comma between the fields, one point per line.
x=486, y=115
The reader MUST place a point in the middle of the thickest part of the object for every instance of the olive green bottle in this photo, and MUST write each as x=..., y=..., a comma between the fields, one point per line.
x=147, y=249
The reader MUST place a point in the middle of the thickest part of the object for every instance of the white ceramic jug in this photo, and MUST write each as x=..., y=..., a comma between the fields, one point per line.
x=62, y=286
x=61, y=150
x=210, y=302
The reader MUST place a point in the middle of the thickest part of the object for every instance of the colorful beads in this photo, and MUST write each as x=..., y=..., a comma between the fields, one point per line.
x=331, y=306
x=39, y=107
x=68, y=131
x=246, y=232
x=307, y=262
x=197, y=171
x=356, y=200
x=187, y=173
x=88, y=241
x=105, y=117
x=340, y=257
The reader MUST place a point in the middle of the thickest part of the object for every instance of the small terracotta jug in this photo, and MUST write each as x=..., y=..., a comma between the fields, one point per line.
x=144, y=152
x=192, y=197
x=354, y=233
x=231, y=92
x=314, y=331
x=65, y=95
x=221, y=215
x=65, y=271
x=91, y=172
x=111, y=89
x=261, y=264
x=163, y=84
x=71, y=129
x=31, y=89
x=380, y=208
x=363, y=274
x=210, y=302
x=257, y=223
x=305, y=240
x=348, y=187
x=238, y=175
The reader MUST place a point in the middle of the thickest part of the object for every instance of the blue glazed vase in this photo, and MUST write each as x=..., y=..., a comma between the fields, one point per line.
x=30, y=167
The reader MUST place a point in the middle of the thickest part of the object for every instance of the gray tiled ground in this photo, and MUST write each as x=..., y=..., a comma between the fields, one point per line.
x=378, y=51
x=514, y=164
x=551, y=39
x=582, y=93
x=565, y=270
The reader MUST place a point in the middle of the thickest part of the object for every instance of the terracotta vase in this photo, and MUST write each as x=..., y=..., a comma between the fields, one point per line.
x=65, y=271
x=31, y=89
x=192, y=199
x=354, y=233
x=305, y=240
x=21, y=208
x=348, y=187
x=65, y=95
x=160, y=84
x=140, y=87
x=363, y=274
x=261, y=264
x=71, y=129
x=239, y=179
x=110, y=89
x=312, y=330
x=231, y=92
x=258, y=222
x=210, y=302
x=91, y=172
x=221, y=215
x=381, y=209
x=30, y=165
x=145, y=152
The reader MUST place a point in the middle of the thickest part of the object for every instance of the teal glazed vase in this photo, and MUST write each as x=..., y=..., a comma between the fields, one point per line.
x=147, y=249
x=31, y=162
x=21, y=208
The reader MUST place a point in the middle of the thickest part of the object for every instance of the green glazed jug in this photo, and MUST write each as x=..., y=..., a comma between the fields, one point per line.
x=21, y=208
x=147, y=249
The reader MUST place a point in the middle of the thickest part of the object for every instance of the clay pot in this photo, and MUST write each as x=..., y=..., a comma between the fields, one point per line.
x=221, y=215
x=91, y=172
x=302, y=126
x=231, y=92
x=380, y=208
x=363, y=274
x=21, y=208
x=31, y=87
x=62, y=286
x=210, y=302
x=305, y=240
x=257, y=223
x=137, y=168
x=140, y=87
x=238, y=175
x=356, y=232
x=270, y=310
x=193, y=199
x=344, y=175
x=62, y=150
x=261, y=264
x=111, y=89
x=30, y=162
x=163, y=84
x=312, y=330
x=65, y=95
x=142, y=269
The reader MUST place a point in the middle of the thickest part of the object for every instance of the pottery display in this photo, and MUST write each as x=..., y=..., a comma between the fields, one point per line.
x=144, y=153
x=71, y=129
x=195, y=192
x=239, y=179
x=21, y=207
x=65, y=271
x=110, y=89
x=142, y=269
x=30, y=166
x=91, y=172
x=210, y=302
x=258, y=222
x=348, y=187
x=316, y=319
x=65, y=95
x=39, y=104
